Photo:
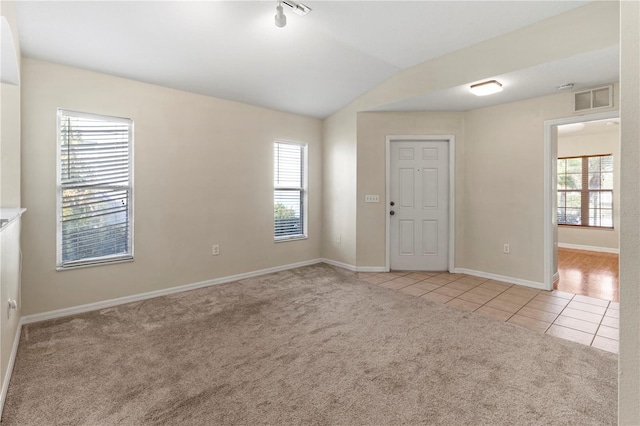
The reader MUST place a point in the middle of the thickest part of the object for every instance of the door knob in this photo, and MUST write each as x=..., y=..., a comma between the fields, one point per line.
x=392, y=212
x=392, y=203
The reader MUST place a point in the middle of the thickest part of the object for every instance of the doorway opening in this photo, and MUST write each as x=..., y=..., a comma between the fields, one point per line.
x=582, y=156
x=420, y=195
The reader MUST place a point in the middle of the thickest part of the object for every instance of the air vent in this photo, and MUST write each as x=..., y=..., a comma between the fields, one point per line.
x=597, y=98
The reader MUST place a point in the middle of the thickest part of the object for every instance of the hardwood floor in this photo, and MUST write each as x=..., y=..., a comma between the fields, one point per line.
x=588, y=273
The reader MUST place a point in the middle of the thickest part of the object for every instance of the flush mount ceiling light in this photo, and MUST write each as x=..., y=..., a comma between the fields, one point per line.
x=566, y=86
x=298, y=8
x=486, y=88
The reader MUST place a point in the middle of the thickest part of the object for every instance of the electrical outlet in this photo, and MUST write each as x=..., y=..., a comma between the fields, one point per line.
x=215, y=250
x=506, y=249
x=339, y=239
x=371, y=198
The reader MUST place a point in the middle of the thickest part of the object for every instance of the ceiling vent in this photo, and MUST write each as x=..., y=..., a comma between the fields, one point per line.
x=596, y=98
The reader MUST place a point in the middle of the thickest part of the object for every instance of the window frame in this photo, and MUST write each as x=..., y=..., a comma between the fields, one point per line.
x=304, y=191
x=101, y=260
x=585, y=192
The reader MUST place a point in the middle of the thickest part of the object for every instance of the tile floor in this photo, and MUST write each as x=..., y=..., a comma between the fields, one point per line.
x=586, y=320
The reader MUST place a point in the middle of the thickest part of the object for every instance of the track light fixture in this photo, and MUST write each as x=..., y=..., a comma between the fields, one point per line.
x=298, y=8
x=281, y=19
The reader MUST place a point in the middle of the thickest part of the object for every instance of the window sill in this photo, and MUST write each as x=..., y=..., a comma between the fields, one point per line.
x=95, y=263
x=294, y=238
x=598, y=228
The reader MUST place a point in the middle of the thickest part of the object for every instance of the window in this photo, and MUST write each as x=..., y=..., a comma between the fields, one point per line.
x=585, y=191
x=95, y=189
x=290, y=194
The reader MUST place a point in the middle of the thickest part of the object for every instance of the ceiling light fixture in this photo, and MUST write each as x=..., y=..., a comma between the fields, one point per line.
x=486, y=88
x=566, y=86
x=281, y=19
x=299, y=8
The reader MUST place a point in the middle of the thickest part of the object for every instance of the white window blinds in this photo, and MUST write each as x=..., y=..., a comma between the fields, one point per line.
x=585, y=191
x=289, y=201
x=95, y=189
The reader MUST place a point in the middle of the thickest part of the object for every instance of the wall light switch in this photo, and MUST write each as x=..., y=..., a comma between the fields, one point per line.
x=371, y=198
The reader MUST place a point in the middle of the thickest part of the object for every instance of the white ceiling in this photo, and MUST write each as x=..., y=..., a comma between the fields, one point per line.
x=584, y=71
x=314, y=66
x=590, y=127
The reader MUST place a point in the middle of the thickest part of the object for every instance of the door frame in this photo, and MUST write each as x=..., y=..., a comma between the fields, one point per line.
x=550, y=176
x=451, y=141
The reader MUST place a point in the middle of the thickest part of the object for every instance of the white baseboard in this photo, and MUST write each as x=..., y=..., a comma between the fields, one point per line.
x=355, y=268
x=58, y=313
x=44, y=316
x=502, y=278
x=589, y=248
x=9, y=372
x=28, y=319
x=556, y=276
x=340, y=264
x=371, y=269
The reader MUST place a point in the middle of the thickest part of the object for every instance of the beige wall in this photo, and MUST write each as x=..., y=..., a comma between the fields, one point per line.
x=184, y=256
x=604, y=141
x=373, y=128
x=9, y=145
x=629, y=384
x=10, y=125
x=499, y=181
x=339, y=209
x=9, y=197
x=593, y=27
x=504, y=164
x=203, y=175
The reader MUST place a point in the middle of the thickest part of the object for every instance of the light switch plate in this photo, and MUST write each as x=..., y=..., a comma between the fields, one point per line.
x=371, y=198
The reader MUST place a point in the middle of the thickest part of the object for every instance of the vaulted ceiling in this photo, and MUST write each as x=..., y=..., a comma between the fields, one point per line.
x=314, y=66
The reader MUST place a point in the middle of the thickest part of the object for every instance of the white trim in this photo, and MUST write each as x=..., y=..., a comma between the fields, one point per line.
x=589, y=248
x=550, y=151
x=28, y=319
x=371, y=269
x=9, y=372
x=451, y=140
x=339, y=264
x=556, y=277
x=58, y=313
x=129, y=256
x=304, y=189
x=502, y=278
x=354, y=268
x=292, y=238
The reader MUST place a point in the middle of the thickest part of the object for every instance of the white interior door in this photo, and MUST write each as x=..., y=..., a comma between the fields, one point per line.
x=419, y=206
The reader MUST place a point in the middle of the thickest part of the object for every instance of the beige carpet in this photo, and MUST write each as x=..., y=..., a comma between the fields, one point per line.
x=309, y=346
